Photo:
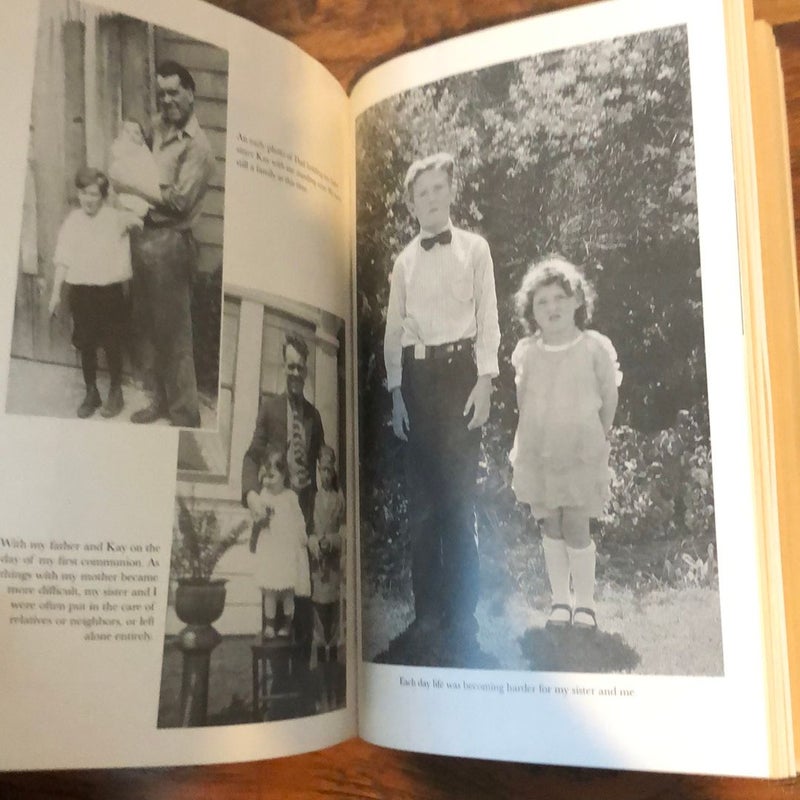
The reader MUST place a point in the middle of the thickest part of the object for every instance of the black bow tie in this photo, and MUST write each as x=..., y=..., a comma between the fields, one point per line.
x=445, y=237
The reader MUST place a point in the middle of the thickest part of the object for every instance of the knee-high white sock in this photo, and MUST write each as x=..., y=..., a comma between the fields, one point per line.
x=557, y=563
x=581, y=565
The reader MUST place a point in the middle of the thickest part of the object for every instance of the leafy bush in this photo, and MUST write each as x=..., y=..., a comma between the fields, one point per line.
x=657, y=529
x=385, y=545
x=661, y=484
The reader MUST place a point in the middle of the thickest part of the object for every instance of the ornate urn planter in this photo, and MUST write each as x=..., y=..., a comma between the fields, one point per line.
x=199, y=601
x=198, y=544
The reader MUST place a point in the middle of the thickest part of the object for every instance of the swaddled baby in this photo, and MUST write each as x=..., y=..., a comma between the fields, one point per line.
x=133, y=166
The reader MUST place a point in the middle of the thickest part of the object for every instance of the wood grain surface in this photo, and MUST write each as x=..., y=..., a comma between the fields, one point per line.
x=348, y=36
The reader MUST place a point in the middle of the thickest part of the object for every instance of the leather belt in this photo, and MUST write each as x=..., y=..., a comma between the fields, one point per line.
x=421, y=352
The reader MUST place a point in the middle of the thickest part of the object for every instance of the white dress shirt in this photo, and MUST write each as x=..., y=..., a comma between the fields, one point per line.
x=442, y=295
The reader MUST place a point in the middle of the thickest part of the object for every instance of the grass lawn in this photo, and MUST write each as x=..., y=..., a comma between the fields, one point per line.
x=662, y=632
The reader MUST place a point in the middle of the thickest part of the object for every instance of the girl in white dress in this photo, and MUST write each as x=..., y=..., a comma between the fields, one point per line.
x=567, y=380
x=279, y=542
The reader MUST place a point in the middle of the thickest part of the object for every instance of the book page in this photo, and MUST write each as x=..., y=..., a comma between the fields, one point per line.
x=782, y=316
x=550, y=205
x=175, y=308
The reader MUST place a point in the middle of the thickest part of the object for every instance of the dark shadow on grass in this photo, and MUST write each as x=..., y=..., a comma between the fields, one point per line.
x=576, y=650
x=436, y=648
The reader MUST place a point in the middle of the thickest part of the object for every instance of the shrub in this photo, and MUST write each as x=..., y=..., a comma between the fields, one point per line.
x=658, y=527
x=661, y=484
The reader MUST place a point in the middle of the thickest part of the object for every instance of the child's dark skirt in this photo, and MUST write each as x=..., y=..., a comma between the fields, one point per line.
x=99, y=315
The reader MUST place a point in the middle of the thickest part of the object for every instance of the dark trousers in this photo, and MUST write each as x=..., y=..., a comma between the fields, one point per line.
x=303, y=607
x=441, y=473
x=164, y=262
x=99, y=317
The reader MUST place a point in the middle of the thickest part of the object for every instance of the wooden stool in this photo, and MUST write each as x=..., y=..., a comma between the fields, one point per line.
x=275, y=674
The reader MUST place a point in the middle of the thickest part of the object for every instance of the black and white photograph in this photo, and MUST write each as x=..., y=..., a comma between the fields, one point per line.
x=255, y=627
x=534, y=444
x=118, y=306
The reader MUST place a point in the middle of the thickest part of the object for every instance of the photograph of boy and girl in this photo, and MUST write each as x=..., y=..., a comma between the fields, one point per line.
x=121, y=246
x=522, y=505
x=260, y=521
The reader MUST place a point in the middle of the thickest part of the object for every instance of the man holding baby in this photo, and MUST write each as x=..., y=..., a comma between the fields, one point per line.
x=164, y=252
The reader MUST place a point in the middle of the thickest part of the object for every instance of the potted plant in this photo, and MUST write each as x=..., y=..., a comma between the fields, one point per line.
x=197, y=547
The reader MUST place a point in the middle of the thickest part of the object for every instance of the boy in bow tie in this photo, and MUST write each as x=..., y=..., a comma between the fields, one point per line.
x=440, y=350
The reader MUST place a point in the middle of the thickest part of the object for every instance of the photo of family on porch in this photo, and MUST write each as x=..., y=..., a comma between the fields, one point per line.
x=255, y=626
x=119, y=289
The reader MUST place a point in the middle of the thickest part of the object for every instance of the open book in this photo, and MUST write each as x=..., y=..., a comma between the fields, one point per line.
x=454, y=414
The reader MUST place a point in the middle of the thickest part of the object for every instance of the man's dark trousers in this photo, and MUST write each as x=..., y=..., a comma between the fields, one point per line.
x=164, y=262
x=303, y=607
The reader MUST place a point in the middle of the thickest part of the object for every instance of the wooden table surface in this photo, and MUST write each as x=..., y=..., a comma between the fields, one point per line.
x=348, y=36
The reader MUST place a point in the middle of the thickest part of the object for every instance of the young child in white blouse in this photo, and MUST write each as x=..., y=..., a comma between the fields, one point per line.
x=567, y=381
x=440, y=351
x=93, y=257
